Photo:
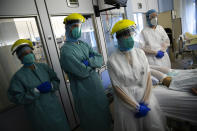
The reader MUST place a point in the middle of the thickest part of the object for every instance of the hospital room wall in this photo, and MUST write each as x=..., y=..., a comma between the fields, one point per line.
x=17, y=7
x=185, y=9
x=177, y=5
x=196, y=15
x=7, y=60
x=28, y=7
x=61, y=7
x=132, y=8
x=165, y=5
x=177, y=8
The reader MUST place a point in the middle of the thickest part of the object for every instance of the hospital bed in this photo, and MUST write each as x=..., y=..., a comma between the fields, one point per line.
x=188, y=44
x=177, y=104
x=191, y=45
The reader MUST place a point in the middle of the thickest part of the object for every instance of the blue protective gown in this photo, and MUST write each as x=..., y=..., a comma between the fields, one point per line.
x=43, y=110
x=90, y=100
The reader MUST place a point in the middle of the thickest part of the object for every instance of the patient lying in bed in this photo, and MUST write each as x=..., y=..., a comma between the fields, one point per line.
x=180, y=80
x=160, y=75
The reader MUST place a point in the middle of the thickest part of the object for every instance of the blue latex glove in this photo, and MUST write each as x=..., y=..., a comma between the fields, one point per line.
x=160, y=54
x=86, y=62
x=44, y=87
x=143, y=110
x=144, y=104
x=91, y=55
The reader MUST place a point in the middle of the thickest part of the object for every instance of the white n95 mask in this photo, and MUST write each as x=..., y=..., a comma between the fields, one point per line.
x=154, y=21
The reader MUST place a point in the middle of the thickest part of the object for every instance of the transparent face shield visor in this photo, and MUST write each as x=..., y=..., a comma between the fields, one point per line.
x=73, y=24
x=125, y=33
x=76, y=25
x=73, y=29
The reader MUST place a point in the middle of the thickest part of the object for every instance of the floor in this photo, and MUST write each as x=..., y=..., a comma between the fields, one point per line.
x=183, y=62
x=78, y=129
x=111, y=110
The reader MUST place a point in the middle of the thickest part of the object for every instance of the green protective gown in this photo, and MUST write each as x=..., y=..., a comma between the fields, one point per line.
x=43, y=110
x=90, y=101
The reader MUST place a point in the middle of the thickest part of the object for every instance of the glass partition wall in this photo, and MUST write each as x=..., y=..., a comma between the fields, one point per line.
x=88, y=34
x=12, y=29
x=108, y=21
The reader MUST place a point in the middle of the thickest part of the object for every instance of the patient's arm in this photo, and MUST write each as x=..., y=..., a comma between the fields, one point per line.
x=166, y=80
x=194, y=90
x=148, y=89
x=157, y=74
x=162, y=69
x=123, y=96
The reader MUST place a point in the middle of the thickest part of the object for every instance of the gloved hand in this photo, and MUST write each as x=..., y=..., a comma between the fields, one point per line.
x=45, y=87
x=86, y=62
x=160, y=54
x=91, y=55
x=142, y=111
x=143, y=103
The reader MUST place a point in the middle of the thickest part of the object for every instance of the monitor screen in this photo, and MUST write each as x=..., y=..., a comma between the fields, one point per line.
x=114, y=2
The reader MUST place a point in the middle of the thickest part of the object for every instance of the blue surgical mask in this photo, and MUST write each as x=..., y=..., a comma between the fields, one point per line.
x=125, y=44
x=76, y=33
x=29, y=59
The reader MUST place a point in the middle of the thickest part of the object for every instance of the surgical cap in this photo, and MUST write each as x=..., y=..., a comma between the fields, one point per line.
x=150, y=12
x=20, y=51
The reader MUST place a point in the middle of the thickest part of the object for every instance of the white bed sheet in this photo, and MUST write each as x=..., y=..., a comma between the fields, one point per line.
x=176, y=104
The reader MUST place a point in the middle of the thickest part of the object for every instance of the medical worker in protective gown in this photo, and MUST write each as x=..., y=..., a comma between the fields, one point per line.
x=79, y=61
x=34, y=86
x=154, y=41
x=136, y=108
